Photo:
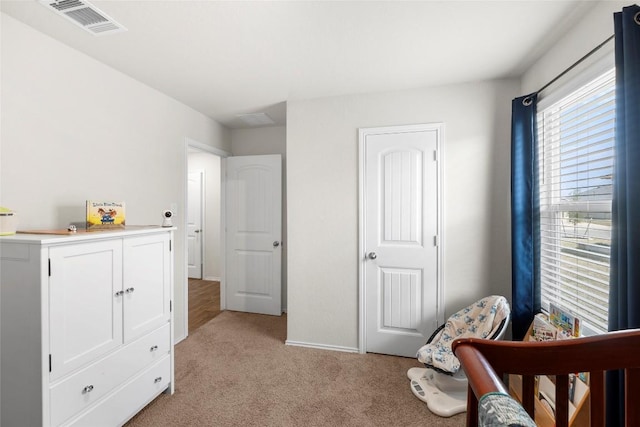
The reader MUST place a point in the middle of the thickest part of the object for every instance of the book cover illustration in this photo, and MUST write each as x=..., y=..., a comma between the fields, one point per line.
x=105, y=215
x=566, y=322
x=542, y=329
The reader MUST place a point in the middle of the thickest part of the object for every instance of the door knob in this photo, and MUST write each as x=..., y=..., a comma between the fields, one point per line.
x=276, y=244
x=372, y=255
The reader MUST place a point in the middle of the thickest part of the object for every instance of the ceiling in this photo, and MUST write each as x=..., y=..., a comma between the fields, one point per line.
x=225, y=58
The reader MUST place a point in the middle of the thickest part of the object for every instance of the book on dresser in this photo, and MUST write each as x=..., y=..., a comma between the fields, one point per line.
x=86, y=326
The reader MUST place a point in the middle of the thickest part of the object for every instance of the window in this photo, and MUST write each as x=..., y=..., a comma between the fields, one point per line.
x=575, y=137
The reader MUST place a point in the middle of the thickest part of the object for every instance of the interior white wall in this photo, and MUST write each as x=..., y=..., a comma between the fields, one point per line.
x=259, y=141
x=210, y=164
x=594, y=28
x=322, y=182
x=262, y=141
x=74, y=129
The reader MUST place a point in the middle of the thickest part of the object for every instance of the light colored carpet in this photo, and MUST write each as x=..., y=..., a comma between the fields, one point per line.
x=237, y=371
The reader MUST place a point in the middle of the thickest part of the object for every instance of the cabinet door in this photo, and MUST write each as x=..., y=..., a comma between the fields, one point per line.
x=147, y=284
x=85, y=303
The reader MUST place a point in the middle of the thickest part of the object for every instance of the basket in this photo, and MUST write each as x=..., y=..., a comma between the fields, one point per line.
x=8, y=222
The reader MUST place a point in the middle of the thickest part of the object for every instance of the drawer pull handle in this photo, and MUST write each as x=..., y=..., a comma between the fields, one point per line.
x=157, y=380
x=154, y=348
x=129, y=290
x=119, y=293
x=87, y=389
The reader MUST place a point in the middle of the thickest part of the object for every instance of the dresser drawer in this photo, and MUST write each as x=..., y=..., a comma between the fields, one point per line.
x=124, y=402
x=79, y=390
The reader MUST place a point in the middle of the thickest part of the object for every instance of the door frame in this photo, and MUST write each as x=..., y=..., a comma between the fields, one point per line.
x=362, y=135
x=203, y=180
x=192, y=144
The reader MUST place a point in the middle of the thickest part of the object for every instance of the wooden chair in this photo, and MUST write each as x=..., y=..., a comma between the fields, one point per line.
x=486, y=362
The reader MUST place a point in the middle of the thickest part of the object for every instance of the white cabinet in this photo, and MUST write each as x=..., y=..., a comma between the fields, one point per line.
x=146, y=285
x=85, y=321
x=85, y=316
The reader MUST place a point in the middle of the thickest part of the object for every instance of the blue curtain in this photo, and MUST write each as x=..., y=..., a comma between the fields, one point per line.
x=624, y=292
x=525, y=214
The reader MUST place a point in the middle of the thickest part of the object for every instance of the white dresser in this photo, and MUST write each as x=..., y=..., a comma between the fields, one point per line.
x=85, y=326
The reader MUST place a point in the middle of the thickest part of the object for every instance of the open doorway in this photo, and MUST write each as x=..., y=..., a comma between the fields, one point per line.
x=204, y=240
x=204, y=302
x=246, y=142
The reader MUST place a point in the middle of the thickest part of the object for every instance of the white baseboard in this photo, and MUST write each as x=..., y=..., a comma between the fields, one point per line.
x=322, y=346
x=212, y=278
x=176, y=340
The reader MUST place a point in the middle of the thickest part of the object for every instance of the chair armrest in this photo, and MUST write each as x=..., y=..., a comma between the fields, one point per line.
x=488, y=402
x=486, y=361
x=561, y=356
x=481, y=375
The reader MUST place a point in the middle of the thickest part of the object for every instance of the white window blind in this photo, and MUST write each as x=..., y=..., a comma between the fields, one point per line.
x=576, y=139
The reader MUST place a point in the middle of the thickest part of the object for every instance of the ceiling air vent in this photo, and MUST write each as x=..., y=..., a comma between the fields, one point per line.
x=256, y=119
x=85, y=15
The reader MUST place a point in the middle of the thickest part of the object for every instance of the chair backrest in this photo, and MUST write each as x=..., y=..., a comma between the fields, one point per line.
x=502, y=328
x=485, y=362
x=497, y=335
x=487, y=317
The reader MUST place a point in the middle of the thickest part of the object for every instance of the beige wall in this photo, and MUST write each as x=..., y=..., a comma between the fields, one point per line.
x=258, y=141
x=322, y=182
x=261, y=141
x=588, y=33
x=74, y=129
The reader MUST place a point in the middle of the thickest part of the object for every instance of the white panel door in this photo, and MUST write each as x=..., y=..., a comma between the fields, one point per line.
x=146, y=284
x=253, y=239
x=400, y=214
x=194, y=224
x=85, y=300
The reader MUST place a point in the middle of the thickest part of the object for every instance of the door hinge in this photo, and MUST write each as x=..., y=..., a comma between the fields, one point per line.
x=435, y=155
x=170, y=245
x=170, y=306
x=49, y=362
x=436, y=241
x=49, y=267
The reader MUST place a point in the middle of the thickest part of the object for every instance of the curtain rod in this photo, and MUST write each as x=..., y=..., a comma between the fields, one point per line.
x=575, y=64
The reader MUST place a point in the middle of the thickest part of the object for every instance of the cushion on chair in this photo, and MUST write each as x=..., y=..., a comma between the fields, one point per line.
x=480, y=320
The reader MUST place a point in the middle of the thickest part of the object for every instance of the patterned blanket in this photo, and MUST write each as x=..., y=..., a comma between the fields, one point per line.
x=480, y=320
x=500, y=410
